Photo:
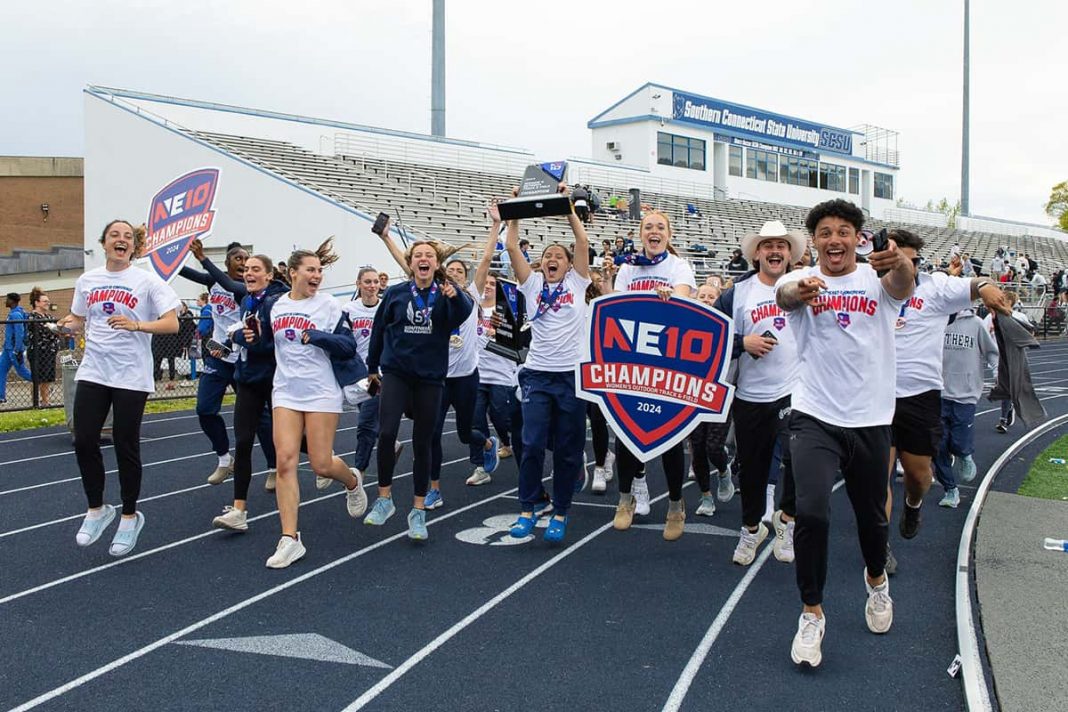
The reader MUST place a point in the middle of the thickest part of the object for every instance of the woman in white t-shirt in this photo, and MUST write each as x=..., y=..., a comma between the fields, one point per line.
x=309, y=330
x=654, y=269
x=556, y=310
x=361, y=312
x=119, y=307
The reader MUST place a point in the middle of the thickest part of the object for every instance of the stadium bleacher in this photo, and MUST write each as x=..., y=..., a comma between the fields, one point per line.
x=449, y=204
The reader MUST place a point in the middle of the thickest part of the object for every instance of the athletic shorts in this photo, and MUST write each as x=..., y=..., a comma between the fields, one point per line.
x=917, y=426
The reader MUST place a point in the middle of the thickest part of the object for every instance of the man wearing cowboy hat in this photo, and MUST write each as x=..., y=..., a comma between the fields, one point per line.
x=767, y=369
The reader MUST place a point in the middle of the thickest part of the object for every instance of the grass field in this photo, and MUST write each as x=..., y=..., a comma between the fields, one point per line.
x=1046, y=479
x=29, y=419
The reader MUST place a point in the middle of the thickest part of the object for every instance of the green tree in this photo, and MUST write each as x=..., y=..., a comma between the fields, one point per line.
x=1057, y=206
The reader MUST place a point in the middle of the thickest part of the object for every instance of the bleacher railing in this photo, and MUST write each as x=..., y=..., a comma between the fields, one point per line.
x=444, y=155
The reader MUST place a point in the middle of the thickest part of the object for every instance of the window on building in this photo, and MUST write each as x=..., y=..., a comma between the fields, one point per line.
x=800, y=171
x=680, y=151
x=884, y=186
x=854, y=181
x=832, y=177
x=735, y=162
x=761, y=165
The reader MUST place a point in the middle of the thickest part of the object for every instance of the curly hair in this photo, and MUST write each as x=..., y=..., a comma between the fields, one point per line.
x=837, y=208
x=906, y=238
x=139, y=233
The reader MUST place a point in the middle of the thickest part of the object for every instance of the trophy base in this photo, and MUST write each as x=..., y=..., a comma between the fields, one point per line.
x=518, y=355
x=535, y=206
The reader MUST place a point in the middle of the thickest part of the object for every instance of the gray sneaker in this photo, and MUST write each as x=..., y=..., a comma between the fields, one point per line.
x=232, y=518
x=964, y=468
x=91, y=529
x=381, y=511
x=707, y=507
x=221, y=474
x=272, y=478
x=950, y=499
x=725, y=490
x=356, y=498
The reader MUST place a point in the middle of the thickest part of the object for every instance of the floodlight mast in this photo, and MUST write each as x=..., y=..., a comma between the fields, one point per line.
x=964, y=157
x=437, y=72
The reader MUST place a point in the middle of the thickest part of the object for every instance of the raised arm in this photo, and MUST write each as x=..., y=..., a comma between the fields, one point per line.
x=581, y=258
x=396, y=252
x=519, y=263
x=900, y=281
x=238, y=289
x=482, y=270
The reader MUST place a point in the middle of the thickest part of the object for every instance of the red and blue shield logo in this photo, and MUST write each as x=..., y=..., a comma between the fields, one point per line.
x=180, y=213
x=656, y=368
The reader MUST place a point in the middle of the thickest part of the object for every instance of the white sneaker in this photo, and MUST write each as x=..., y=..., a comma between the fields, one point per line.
x=708, y=505
x=288, y=551
x=600, y=482
x=691, y=475
x=356, y=499
x=479, y=477
x=640, y=490
x=221, y=473
x=725, y=490
x=323, y=483
x=879, y=610
x=232, y=518
x=272, y=478
x=809, y=638
x=609, y=465
x=748, y=542
x=783, y=546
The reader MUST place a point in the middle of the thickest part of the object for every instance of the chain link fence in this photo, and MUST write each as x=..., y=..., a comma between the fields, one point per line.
x=37, y=367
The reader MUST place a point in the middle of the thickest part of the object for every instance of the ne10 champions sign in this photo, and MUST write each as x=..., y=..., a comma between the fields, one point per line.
x=716, y=114
x=656, y=368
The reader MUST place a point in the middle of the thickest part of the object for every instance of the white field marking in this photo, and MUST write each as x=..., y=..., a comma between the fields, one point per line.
x=111, y=472
x=141, y=652
x=682, y=685
x=172, y=545
x=998, y=409
x=67, y=432
x=575, y=503
x=102, y=448
x=146, y=499
x=382, y=685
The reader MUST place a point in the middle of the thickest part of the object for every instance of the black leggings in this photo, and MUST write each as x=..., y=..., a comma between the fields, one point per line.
x=425, y=401
x=91, y=404
x=252, y=399
x=708, y=441
x=599, y=430
x=673, y=461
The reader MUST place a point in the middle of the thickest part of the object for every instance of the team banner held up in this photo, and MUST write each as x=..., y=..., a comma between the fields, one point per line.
x=180, y=212
x=656, y=368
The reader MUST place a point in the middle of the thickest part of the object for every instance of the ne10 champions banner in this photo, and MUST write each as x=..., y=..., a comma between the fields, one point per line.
x=182, y=211
x=656, y=368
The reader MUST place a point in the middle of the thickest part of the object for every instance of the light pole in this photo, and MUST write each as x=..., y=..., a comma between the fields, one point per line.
x=964, y=157
x=437, y=72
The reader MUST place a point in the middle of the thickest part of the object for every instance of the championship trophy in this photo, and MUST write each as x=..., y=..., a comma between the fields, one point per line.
x=512, y=338
x=539, y=193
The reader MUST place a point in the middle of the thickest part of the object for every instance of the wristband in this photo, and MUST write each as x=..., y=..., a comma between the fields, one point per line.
x=983, y=283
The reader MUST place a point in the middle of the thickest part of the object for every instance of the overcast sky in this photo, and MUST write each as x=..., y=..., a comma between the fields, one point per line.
x=533, y=77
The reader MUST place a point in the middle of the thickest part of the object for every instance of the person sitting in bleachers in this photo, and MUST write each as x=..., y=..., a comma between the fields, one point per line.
x=738, y=263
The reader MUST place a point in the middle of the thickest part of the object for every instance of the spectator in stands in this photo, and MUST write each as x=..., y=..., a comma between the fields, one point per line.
x=383, y=281
x=1022, y=265
x=997, y=264
x=1008, y=275
x=967, y=266
x=42, y=347
x=1032, y=265
x=580, y=198
x=1038, y=284
x=595, y=200
x=14, y=351
x=606, y=248
x=738, y=263
x=1060, y=285
x=524, y=247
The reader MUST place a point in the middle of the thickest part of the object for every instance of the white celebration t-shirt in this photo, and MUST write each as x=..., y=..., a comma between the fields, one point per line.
x=303, y=376
x=845, y=344
x=556, y=336
x=225, y=313
x=773, y=375
x=920, y=328
x=114, y=357
x=463, y=359
x=670, y=272
x=362, y=318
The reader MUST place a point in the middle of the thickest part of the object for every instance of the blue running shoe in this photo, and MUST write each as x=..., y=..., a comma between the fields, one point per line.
x=556, y=530
x=491, y=458
x=382, y=510
x=91, y=529
x=125, y=540
x=433, y=499
x=417, y=525
x=523, y=526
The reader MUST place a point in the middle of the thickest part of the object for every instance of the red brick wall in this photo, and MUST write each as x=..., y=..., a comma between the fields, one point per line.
x=22, y=224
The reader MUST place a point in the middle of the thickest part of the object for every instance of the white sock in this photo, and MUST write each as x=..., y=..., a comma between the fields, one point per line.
x=225, y=460
x=126, y=525
x=96, y=513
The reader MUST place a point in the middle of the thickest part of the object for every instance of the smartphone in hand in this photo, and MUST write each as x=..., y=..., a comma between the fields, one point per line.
x=214, y=345
x=252, y=323
x=380, y=224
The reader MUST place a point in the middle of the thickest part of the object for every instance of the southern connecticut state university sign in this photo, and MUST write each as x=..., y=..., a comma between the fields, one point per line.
x=656, y=368
x=180, y=212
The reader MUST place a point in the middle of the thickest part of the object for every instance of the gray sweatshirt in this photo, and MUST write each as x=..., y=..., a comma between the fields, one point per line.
x=967, y=345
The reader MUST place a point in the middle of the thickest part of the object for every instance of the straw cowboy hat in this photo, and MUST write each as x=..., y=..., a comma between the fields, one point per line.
x=775, y=229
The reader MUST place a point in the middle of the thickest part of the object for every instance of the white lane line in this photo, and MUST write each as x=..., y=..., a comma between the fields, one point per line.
x=172, y=545
x=385, y=683
x=141, y=652
x=693, y=666
x=998, y=409
x=67, y=433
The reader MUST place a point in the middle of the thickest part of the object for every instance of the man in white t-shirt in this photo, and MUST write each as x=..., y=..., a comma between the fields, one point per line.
x=919, y=334
x=842, y=315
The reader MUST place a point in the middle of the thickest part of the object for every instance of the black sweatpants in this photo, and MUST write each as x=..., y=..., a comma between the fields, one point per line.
x=757, y=426
x=599, y=430
x=252, y=399
x=819, y=450
x=708, y=445
x=91, y=404
x=673, y=462
x=425, y=401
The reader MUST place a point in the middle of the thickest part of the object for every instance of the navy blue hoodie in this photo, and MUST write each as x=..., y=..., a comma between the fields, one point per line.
x=256, y=365
x=403, y=346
